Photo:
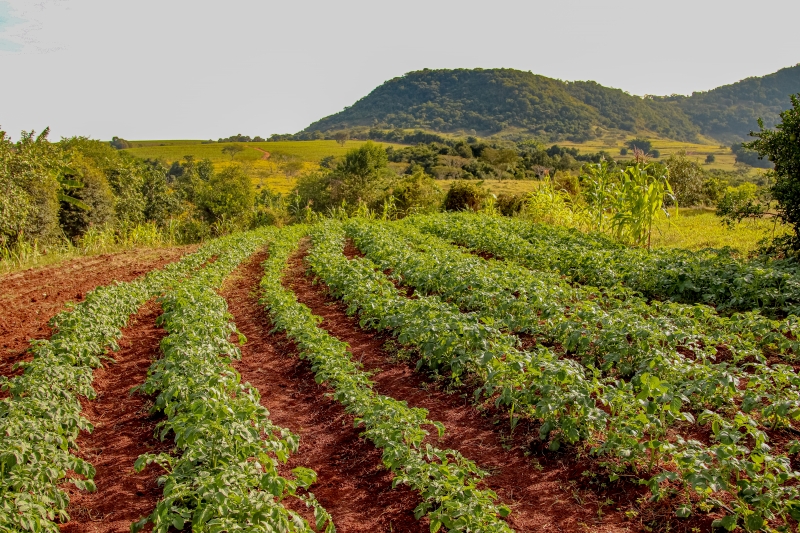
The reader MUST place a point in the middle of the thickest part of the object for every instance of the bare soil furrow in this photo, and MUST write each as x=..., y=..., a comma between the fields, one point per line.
x=29, y=299
x=123, y=430
x=546, y=491
x=352, y=483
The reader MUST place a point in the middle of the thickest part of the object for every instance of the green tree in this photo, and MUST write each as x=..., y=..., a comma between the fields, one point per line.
x=360, y=174
x=686, y=178
x=645, y=145
x=32, y=168
x=341, y=137
x=97, y=199
x=710, y=158
x=227, y=195
x=232, y=150
x=782, y=147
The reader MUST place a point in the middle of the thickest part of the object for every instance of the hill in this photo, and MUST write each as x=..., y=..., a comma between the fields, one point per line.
x=730, y=112
x=490, y=101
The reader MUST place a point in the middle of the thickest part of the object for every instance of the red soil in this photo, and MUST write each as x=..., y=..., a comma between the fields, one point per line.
x=123, y=430
x=352, y=483
x=29, y=299
x=545, y=494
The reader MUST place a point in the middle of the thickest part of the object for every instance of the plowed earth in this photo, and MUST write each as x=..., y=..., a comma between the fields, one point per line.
x=544, y=495
x=29, y=299
x=546, y=491
x=352, y=484
x=123, y=430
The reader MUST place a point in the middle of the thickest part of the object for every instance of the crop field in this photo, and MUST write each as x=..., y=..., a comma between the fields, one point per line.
x=449, y=372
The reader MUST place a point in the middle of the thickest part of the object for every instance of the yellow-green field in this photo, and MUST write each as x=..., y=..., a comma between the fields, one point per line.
x=498, y=187
x=696, y=229
x=612, y=143
x=268, y=172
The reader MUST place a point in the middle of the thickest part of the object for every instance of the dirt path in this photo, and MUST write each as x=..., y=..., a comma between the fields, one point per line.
x=546, y=492
x=123, y=430
x=266, y=154
x=352, y=483
x=29, y=299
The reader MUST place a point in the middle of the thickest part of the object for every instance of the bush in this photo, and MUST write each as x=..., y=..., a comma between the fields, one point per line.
x=570, y=184
x=623, y=151
x=710, y=158
x=227, y=196
x=655, y=153
x=417, y=193
x=510, y=204
x=464, y=195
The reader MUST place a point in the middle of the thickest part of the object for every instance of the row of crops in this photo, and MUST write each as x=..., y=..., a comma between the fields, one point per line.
x=626, y=355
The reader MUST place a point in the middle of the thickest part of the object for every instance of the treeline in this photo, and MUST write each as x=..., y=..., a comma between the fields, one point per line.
x=480, y=160
x=60, y=192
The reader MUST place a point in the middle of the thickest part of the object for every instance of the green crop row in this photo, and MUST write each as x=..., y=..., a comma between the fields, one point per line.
x=623, y=338
x=565, y=397
x=41, y=419
x=224, y=476
x=713, y=277
x=447, y=481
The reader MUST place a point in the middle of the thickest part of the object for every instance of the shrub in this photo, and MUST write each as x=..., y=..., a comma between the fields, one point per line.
x=710, y=158
x=510, y=204
x=464, y=195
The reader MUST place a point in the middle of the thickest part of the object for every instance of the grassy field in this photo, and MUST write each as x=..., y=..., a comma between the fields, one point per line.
x=498, y=187
x=306, y=151
x=725, y=159
x=696, y=229
x=265, y=171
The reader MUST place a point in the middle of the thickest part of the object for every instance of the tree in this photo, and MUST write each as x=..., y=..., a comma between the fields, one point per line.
x=341, y=137
x=359, y=174
x=710, y=158
x=686, y=178
x=232, y=150
x=642, y=144
x=96, y=206
x=227, y=195
x=781, y=146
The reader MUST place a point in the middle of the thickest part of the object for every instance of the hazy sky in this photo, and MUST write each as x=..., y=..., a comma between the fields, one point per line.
x=193, y=69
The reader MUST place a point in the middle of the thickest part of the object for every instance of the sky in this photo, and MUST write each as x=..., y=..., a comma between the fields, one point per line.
x=194, y=69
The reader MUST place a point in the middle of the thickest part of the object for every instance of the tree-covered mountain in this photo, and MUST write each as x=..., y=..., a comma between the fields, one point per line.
x=730, y=112
x=488, y=101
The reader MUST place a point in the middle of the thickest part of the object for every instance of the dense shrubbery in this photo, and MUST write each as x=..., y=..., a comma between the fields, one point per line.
x=60, y=192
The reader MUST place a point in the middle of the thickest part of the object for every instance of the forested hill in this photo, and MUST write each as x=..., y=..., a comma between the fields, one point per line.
x=489, y=101
x=730, y=112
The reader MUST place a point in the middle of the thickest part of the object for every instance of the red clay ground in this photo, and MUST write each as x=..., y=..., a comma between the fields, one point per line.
x=547, y=494
x=123, y=430
x=29, y=299
x=352, y=484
